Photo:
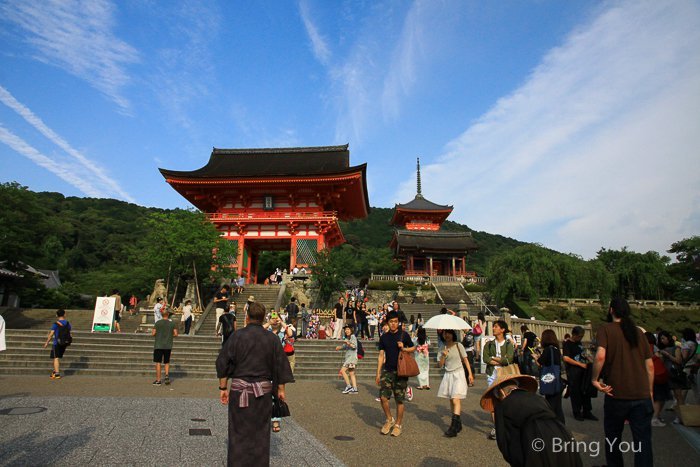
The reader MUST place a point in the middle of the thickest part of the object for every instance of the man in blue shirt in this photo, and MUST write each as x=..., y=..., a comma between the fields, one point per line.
x=59, y=327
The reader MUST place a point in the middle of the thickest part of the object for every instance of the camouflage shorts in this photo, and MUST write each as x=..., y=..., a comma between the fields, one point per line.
x=390, y=383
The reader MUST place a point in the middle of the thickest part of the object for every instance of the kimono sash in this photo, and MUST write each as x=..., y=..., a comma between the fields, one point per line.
x=246, y=388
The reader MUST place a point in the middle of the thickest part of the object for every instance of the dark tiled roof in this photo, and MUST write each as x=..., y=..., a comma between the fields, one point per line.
x=271, y=162
x=421, y=204
x=432, y=241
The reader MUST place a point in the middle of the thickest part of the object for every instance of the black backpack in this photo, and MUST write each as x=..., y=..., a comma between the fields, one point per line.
x=63, y=337
x=292, y=310
x=360, y=350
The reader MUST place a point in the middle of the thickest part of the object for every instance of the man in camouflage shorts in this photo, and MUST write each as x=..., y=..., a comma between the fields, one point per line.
x=392, y=384
x=391, y=344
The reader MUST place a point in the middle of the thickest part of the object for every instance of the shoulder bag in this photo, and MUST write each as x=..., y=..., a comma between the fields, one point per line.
x=550, y=377
x=407, y=365
x=279, y=407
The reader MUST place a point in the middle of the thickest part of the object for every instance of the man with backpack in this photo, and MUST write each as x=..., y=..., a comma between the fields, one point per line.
x=60, y=332
x=292, y=311
x=226, y=326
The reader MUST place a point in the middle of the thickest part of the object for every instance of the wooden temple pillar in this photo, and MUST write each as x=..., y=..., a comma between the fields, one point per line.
x=430, y=270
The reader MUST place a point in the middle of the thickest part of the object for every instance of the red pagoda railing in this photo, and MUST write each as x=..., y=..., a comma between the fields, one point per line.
x=271, y=216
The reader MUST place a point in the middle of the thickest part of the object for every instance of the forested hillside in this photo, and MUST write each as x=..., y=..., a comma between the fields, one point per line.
x=100, y=244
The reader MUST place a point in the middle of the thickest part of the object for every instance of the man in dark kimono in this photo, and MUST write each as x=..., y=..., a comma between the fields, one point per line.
x=254, y=360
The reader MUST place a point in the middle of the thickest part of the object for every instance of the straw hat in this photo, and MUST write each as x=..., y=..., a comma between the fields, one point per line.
x=251, y=298
x=529, y=383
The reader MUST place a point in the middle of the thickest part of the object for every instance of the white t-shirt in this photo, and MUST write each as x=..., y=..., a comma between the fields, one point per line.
x=186, y=312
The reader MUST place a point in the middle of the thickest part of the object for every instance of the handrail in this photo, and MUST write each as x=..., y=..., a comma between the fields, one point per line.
x=202, y=317
x=437, y=292
x=480, y=303
x=426, y=278
x=280, y=296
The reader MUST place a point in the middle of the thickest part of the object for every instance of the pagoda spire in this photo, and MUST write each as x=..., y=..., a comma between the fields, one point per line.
x=418, y=194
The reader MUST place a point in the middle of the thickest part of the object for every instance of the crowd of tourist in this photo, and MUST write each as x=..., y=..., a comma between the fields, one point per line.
x=637, y=372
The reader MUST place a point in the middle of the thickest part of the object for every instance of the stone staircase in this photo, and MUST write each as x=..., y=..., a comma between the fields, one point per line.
x=451, y=293
x=80, y=320
x=265, y=294
x=192, y=356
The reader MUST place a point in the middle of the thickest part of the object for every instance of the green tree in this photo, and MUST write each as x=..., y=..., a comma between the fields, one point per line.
x=686, y=271
x=531, y=271
x=178, y=239
x=640, y=275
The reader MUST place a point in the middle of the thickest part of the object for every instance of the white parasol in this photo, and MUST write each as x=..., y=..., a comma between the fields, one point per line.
x=446, y=322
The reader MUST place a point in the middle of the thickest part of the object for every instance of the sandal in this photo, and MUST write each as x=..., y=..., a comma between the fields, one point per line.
x=276, y=427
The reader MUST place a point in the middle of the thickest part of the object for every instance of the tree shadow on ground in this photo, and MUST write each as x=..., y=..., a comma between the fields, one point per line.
x=29, y=450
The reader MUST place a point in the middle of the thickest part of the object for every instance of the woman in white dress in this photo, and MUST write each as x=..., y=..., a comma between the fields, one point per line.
x=423, y=359
x=454, y=382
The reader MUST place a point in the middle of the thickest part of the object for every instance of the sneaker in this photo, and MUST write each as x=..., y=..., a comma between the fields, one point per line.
x=347, y=390
x=657, y=422
x=409, y=395
x=377, y=399
x=156, y=383
x=676, y=421
x=396, y=431
x=55, y=375
x=492, y=435
x=387, y=426
x=353, y=391
x=167, y=380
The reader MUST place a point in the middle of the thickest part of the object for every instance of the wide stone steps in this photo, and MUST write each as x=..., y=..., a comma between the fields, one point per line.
x=192, y=356
x=265, y=294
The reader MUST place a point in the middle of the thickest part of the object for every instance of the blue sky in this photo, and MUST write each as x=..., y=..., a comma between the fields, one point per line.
x=573, y=124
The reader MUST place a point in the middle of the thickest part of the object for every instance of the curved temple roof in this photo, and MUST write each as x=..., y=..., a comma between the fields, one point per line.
x=273, y=162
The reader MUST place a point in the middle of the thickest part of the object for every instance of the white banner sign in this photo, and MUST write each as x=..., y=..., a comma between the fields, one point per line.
x=103, y=318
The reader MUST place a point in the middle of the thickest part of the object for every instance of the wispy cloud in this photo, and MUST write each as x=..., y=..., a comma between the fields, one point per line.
x=597, y=148
x=183, y=72
x=63, y=171
x=384, y=61
x=78, y=37
x=318, y=44
x=93, y=169
x=405, y=61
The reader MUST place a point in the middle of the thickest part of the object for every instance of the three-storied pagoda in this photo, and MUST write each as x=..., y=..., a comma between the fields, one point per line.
x=277, y=199
x=419, y=244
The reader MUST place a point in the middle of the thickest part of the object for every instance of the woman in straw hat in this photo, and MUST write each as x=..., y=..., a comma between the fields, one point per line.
x=528, y=432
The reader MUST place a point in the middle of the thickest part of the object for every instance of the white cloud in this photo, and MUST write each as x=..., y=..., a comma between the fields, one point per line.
x=387, y=61
x=78, y=37
x=94, y=171
x=598, y=148
x=318, y=44
x=183, y=72
x=63, y=171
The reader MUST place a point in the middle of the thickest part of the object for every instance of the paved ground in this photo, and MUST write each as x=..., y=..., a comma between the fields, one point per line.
x=126, y=421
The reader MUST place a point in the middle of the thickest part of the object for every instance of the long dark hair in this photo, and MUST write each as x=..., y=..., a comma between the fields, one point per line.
x=422, y=338
x=669, y=339
x=621, y=309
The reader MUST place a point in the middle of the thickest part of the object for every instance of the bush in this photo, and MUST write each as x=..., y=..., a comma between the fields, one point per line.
x=475, y=288
x=383, y=285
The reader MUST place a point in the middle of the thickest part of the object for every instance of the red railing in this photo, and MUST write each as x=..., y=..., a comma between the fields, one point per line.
x=271, y=216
